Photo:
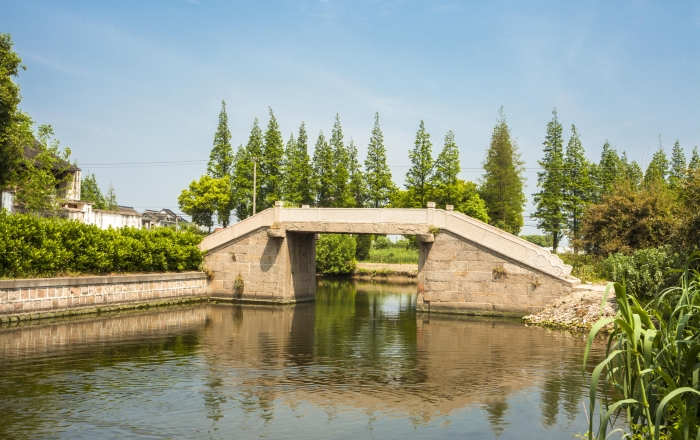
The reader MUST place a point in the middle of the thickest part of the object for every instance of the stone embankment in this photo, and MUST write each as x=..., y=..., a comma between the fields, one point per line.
x=577, y=311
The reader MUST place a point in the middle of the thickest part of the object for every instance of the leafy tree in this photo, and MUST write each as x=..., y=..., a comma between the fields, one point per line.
x=44, y=170
x=657, y=171
x=203, y=199
x=242, y=185
x=445, y=181
x=502, y=183
x=632, y=172
x=357, y=187
x=377, y=173
x=551, y=199
x=608, y=172
x=363, y=245
x=297, y=174
x=694, y=163
x=90, y=192
x=469, y=202
x=689, y=209
x=221, y=156
x=111, y=198
x=335, y=254
x=630, y=219
x=678, y=166
x=341, y=176
x=578, y=187
x=544, y=241
x=15, y=126
x=420, y=175
x=270, y=164
x=323, y=168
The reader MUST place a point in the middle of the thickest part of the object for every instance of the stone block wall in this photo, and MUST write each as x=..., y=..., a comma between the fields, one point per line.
x=48, y=295
x=456, y=276
x=273, y=269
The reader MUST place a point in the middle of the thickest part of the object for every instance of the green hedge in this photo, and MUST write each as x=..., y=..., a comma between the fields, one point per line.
x=643, y=272
x=32, y=246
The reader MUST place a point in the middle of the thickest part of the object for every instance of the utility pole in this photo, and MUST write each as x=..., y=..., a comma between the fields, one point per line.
x=255, y=176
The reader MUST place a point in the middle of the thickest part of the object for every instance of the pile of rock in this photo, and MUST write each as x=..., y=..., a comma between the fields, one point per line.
x=578, y=311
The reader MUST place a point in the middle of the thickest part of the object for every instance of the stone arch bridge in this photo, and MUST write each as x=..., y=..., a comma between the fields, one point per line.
x=464, y=265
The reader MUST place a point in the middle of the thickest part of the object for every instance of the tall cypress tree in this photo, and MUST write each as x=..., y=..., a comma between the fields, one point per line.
x=341, y=175
x=297, y=173
x=447, y=168
x=420, y=174
x=608, y=172
x=242, y=186
x=579, y=187
x=678, y=166
x=657, y=171
x=631, y=171
x=323, y=168
x=357, y=187
x=550, y=200
x=272, y=159
x=377, y=173
x=502, y=183
x=694, y=163
x=221, y=156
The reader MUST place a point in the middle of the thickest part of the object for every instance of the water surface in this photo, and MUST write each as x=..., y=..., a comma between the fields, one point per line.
x=357, y=363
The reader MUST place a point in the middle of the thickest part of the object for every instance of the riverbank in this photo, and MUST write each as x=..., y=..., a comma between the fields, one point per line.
x=384, y=270
x=577, y=311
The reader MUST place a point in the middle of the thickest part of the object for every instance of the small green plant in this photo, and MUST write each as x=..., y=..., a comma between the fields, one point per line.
x=239, y=285
x=498, y=272
x=435, y=230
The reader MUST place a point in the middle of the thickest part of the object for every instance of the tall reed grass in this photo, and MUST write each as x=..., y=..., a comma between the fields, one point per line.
x=651, y=373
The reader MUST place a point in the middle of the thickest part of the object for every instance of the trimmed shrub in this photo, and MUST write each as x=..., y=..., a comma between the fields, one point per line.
x=643, y=272
x=32, y=246
x=335, y=254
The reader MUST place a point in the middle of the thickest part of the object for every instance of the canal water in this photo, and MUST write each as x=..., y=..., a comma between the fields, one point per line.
x=357, y=363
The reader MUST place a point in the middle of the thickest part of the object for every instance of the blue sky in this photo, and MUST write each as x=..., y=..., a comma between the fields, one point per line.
x=135, y=81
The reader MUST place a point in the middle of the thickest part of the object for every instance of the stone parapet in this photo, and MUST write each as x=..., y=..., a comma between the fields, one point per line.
x=35, y=297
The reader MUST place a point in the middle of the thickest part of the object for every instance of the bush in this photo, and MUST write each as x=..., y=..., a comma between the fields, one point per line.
x=363, y=244
x=32, y=246
x=545, y=241
x=586, y=267
x=643, y=272
x=381, y=242
x=335, y=254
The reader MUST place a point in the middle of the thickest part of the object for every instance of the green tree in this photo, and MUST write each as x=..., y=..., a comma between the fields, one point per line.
x=679, y=169
x=608, y=172
x=377, y=173
x=203, y=199
x=15, y=125
x=469, y=202
x=503, y=180
x=694, y=163
x=357, y=187
x=579, y=187
x=90, y=192
x=631, y=172
x=341, y=176
x=550, y=200
x=44, y=171
x=221, y=156
x=242, y=185
x=335, y=254
x=657, y=171
x=111, y=198
x=323, y=168
x=420, y=175
x=297, y=175
x=445, y=186
x=270, y=164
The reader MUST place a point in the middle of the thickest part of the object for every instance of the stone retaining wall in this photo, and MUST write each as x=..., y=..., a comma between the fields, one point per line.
x=48, y=295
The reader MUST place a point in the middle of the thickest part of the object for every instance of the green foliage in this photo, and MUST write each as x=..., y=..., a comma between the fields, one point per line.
x=643, y=272
x=657, y=171
x=32, y=246
x=503, y=180
x=694, y=163
x=650, y=373
x=221, y=156
x=578, y=189
x=204, y=198
x=15, y=125
x=377, y=173
x=335, y=254
x=469, y=202
x=111, y=198
x=90, y=192
x=357, y=187
x=271, y=162
x=340, y=195
x=608, y=172
x=363, y=245
x=322, y=174
x=550, y=200
x=445, y=181
x=586, y=267
x=544, y=241
x=679, y=169
x=242, y=185
x=393, y=255
x=297, y=173
x=420, y=175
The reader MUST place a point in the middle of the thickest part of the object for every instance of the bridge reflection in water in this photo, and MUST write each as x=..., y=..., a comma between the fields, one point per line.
x=357, y=362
